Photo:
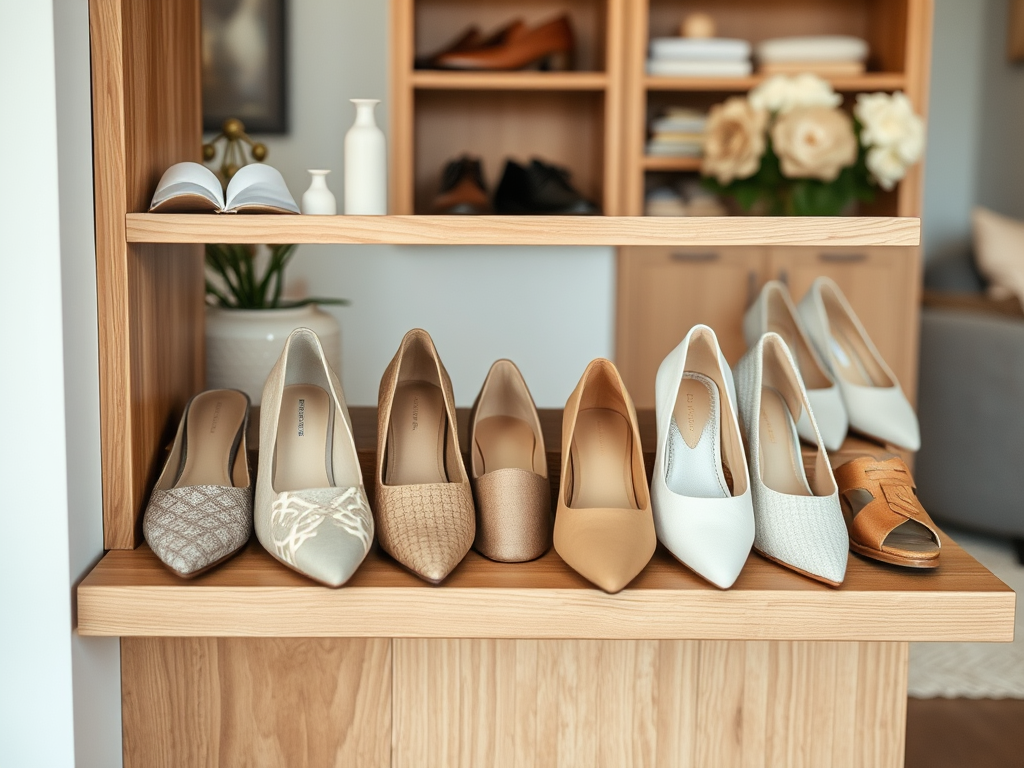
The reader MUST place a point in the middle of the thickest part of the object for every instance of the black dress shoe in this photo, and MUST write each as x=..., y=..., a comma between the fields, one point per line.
x=540, y=188
x=462, y=188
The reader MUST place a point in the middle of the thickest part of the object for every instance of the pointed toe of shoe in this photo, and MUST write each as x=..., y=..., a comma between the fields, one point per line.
x=806, y=533
x=711, y=537
x=884, y=414
x=427, y=528
x=513, y=515
x=194, y=527
x=323, y=533
x=609, y=548
x=830, y=416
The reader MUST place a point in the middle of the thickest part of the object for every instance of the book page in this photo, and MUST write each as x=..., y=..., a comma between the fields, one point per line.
x=188, y=186
x=259, y=188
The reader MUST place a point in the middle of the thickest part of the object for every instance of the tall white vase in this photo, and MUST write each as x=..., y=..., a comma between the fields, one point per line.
x=366, y=163
x=318, y=199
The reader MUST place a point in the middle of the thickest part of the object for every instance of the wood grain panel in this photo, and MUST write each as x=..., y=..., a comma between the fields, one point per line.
x=194, y=702
x=441, y=80
x=525, y=230
x=679, y=704
x=146, y=115
x=400, y=112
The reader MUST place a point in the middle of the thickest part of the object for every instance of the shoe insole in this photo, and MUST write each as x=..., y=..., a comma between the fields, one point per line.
x=782, y=466
x=857, y=364
x=212, y=432
x=505, y=442
x=302, y=439
x=416, y=435
x=910, y=536
x=694, y=463
x=602, y=461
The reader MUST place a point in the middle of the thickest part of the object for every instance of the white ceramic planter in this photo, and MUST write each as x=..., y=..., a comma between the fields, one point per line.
x=318, y=200
x=242, y=345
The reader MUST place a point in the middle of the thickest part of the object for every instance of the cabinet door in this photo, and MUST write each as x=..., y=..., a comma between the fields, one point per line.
x=883, y=286
x=663, y=292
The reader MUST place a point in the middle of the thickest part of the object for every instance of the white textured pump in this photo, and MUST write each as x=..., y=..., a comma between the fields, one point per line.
x=875, y=403
x=799, y=523
x=703, y=511
x=774, y=311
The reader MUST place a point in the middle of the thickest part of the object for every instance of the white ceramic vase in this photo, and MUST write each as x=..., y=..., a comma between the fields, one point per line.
x=318, y=200
x=366, y=164
x=242, y=345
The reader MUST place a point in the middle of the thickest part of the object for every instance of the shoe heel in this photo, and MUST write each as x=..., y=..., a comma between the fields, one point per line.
x=559, y=61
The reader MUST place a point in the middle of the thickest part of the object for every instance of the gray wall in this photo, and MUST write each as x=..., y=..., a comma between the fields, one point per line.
x=976, y=124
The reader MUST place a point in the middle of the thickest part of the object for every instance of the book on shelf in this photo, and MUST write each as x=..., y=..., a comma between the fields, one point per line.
x=678, y=68
x=194, y=188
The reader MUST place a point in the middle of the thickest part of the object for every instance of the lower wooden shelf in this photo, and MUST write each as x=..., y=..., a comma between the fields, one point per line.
x=130, y=593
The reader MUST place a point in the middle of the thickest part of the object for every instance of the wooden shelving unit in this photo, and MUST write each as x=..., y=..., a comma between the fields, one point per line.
x=251, y=664
x=869, y=81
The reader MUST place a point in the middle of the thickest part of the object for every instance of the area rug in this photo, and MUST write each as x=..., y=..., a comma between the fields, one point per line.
x=975, y=670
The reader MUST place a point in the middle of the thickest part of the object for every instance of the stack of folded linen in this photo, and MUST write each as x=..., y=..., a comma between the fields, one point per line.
x=825, y=55
x=679, y=132
x=687, y=198
x=699, y=57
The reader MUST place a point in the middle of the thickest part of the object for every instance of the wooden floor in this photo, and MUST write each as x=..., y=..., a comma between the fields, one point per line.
x=965, y=733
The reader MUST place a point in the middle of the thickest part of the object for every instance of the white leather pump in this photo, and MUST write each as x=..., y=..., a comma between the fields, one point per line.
x=875, y=404
x=703, y=511
x=774, y=311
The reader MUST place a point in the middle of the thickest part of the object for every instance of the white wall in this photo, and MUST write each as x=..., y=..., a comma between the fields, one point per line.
x=35, y=644
x=96, y=662
x=976, y=124
x=549, y=309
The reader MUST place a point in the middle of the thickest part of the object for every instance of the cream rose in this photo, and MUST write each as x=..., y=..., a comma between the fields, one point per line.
x=735, y=140
x=886, y=166
x=814, y=142
x=782, y=93
x=889, y=121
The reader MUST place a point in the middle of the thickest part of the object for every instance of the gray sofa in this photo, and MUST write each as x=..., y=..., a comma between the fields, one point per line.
x=970, y=470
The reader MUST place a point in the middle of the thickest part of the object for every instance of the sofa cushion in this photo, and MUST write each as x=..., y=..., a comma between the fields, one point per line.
x=999, y=251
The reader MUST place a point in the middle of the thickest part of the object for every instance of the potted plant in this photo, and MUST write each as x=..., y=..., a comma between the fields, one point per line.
x=788, y=149
x=247, y=320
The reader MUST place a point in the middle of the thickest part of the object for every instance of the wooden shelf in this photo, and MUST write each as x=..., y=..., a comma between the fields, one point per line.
x=523, y=230
x=130, y=593
x=508, y=81
x=659, y=163
x=870, y=81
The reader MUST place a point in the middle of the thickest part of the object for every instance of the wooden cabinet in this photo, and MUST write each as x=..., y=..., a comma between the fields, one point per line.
x=665, y=291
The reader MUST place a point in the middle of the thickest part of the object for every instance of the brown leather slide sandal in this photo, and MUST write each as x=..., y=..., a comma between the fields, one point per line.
x=885, y=519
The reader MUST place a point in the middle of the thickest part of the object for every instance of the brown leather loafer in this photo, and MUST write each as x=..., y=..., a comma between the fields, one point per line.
x=550, y=43
x=885, y=519
x=462, y=189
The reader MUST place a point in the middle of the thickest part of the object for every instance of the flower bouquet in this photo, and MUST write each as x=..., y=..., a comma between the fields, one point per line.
x=787, y=149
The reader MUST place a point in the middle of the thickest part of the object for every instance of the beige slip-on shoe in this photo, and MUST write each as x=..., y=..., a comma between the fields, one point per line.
x=509, y=469
x=200, y=512
x=311, y=508
x=604, y=528
x=424, y=504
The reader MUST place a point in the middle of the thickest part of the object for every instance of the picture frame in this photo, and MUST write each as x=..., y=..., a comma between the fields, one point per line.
x=244, y=64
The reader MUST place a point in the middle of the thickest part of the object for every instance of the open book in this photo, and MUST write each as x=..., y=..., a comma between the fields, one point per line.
x=194, y=188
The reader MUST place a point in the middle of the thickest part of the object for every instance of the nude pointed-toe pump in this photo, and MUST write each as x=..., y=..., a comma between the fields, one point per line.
x=509, y=469
x=604, y=528
x=424, y=508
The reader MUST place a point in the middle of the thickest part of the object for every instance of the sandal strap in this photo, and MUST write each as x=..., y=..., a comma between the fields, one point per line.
x=894, y=502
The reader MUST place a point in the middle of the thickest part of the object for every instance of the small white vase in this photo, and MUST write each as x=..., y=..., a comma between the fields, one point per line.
x=318, y=200
x=366, y=165
x=242, y=345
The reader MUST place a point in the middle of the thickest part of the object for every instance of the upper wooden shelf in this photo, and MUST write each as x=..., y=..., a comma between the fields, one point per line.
x=869, y=81
x=508, y=81
x=130, y=593
x=662, y=163
x=524, y=230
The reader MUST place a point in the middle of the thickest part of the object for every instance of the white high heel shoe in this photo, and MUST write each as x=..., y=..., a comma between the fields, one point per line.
x=875, y=404
x=774, y=311
x=703, y=511
x=799, y=524
x=311, y=508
